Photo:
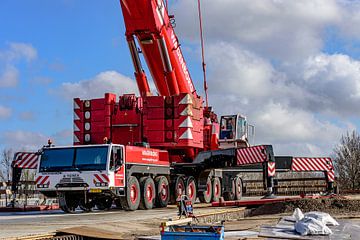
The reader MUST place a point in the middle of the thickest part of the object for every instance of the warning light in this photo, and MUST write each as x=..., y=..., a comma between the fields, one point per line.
x=49, y=142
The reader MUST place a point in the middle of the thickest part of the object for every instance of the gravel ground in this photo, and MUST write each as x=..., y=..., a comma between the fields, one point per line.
x=332, y=206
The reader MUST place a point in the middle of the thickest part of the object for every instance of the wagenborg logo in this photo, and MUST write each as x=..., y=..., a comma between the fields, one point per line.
x=150, y=153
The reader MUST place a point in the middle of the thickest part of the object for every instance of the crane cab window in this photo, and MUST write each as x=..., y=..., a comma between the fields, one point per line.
x=241, y=128
x=228, y=127
x=116, y=158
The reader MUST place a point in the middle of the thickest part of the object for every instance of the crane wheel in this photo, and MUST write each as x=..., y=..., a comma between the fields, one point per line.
x=179, y=189
x=205, y=196
x=190, y=189
x=216, y=189
x=131, y=200
x=68, y=203
x=238, y=188
x=104, y=203
x=230, y=195
x=162, y=191
x=86, y=206
x=117, y=202
x=147, y=188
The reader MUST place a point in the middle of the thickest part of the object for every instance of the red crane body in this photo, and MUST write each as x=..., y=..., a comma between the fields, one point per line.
x=175, y=120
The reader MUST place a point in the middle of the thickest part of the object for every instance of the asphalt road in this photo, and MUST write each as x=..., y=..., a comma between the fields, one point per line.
x=30, y=223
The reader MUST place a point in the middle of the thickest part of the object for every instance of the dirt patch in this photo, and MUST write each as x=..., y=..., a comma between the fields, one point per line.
x=331, y=206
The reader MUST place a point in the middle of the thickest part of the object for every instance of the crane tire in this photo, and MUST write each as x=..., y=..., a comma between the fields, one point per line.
x=147, y=189
x=162, y=191
x=216, y=186
x=190, y=189
x=206, y=196
x=131, y=200
x=178, y=187
x=104, y=203
x=68, y=203
x=238, y=188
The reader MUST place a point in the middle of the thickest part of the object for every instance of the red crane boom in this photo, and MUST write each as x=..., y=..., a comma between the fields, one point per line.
x=149, y=23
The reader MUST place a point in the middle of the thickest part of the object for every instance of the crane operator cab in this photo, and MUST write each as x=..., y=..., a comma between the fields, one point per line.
x=234, y=132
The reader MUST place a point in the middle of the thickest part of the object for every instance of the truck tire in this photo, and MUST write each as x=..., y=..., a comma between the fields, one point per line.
x=216, y=189
x=68, y=203
x=190, y=189
x=230, y=195
x=206, y=196
x=131, y=200
x=147, y=188
x=238, y=188
x=162, y=191
x=104, y=203
x=178, y=188
x=86, y=206
x=117, y=202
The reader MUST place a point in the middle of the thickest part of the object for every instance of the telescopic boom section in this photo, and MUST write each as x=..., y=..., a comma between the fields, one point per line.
x=149, y=22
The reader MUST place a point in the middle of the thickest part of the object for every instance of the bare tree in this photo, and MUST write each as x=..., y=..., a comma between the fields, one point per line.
x=5, y=162
x=347, y=160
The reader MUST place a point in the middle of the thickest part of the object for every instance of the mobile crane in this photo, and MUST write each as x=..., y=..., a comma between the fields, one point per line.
x=144, y=151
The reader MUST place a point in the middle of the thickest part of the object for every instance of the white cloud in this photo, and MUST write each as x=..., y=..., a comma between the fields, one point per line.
x=279, y=107
x=5, y=112
x=108, y=81
x=9, y=77
x=29, y=141
x=9, y=73
x=281, y=30
x=27, y=116
x=21, y=51
x=33, y=141
x=266, y=60
x=350, y=18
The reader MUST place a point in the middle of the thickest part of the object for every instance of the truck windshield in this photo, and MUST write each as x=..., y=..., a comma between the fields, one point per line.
x=74, y=159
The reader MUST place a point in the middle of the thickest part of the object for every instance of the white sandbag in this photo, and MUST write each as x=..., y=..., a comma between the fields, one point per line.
x=298, y=215
x=325, y=218
x=311, y=226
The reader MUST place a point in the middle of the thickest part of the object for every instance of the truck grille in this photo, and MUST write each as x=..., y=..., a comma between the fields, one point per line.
x=67, y=180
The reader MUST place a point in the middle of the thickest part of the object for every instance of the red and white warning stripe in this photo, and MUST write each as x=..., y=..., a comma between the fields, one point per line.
x=102, y=178
x=251, y=155
x=28, y=160
x=77, y=120
x=314, y=164
x=271, y=169
x=42, y=180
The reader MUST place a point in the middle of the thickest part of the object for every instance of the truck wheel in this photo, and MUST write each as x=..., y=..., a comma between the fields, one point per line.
x=216, y=185
x=162, y=191
x=230, y=195
x=104, y=203
x=238, y=188
x=190, y=189
x=86, y=206
x=117, y=202
x=147, y=187
x=179, y=189
x=132, y=199
x=68, y=203
x=205, y=196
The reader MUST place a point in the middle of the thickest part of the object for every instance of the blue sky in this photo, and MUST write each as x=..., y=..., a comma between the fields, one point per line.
x=73, y=41
x=291, y=67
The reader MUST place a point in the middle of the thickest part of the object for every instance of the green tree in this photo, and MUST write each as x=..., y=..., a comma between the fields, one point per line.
x=347, y=160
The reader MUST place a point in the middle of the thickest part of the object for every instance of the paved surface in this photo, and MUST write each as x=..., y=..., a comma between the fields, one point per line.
x=28, y=223
x=140, y=222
